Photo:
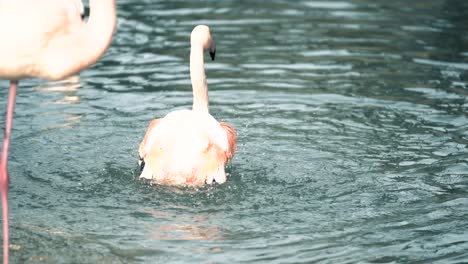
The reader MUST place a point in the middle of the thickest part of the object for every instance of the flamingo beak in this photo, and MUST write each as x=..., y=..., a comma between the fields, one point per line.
x=141, y=163
x=212, y=49
x=212, y=55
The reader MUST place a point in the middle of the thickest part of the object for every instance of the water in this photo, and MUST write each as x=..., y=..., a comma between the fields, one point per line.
x=352, y=127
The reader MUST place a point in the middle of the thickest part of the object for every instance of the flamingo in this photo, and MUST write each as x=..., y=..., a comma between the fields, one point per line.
x=189, y=147
x=46, y=39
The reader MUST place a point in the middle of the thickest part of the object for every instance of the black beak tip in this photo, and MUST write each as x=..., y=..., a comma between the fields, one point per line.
x=212, y=55
x=85, y=13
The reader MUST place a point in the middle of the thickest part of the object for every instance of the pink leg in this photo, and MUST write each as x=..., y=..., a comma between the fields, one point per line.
x=4, y=167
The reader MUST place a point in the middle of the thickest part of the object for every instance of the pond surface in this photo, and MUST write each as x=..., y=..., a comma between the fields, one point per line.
x=352, y=122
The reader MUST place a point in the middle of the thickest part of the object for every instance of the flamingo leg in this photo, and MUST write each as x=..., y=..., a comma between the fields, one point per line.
x=4, y=167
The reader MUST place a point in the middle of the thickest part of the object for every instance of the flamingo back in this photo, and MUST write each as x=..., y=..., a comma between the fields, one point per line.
x=186, y=147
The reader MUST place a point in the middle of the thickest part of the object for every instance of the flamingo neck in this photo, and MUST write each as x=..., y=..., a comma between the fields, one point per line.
x=198, y=78
x=100, y=27
x=102, y=16
x=84, y=45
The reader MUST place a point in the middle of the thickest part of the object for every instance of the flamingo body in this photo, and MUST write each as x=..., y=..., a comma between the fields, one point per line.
x=46, y=39
x=189, y=147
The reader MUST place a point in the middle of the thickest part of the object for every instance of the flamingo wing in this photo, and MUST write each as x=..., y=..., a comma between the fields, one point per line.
x=148, y=140
x=145, y=148
x=232, y=139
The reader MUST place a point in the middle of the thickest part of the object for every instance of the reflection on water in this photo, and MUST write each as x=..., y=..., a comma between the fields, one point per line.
x=352, y=128
x=67, y=94
x=187, y=227
x=68, y=87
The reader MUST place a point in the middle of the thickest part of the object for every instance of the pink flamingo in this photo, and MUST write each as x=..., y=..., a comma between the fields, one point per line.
x=46, y=39
x=189, y=147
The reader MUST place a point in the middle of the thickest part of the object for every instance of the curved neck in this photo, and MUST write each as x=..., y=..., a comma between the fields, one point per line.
x=83, y=46
x=198, y=78
x=101, y=24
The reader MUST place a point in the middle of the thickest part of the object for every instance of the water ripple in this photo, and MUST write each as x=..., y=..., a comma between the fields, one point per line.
x=352, y=132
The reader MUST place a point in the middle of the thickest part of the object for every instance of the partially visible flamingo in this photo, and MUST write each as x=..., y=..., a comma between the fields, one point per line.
x=46, y=39
x=189, y=147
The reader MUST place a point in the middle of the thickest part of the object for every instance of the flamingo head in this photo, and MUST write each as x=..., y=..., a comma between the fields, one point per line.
x=201, y=36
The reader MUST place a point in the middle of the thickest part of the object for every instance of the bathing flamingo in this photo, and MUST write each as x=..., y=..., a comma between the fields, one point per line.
x=189, y=147
x=46, y=39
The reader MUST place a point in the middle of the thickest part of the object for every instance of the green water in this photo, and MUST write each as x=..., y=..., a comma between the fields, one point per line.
x=352, y=129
